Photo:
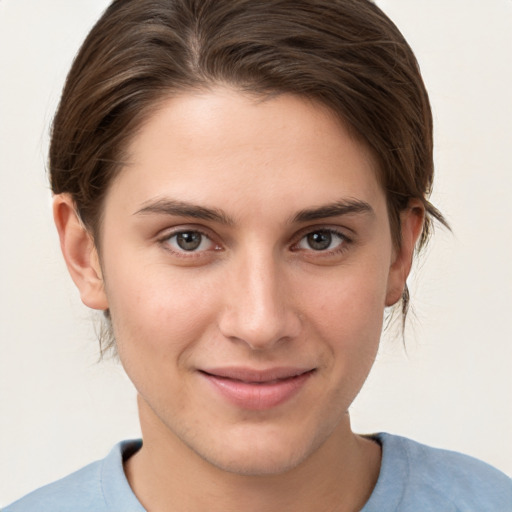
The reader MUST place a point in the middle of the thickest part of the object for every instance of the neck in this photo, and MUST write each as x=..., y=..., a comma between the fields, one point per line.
x=339, y=476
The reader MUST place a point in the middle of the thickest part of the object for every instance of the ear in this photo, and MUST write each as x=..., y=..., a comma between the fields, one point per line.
x=411, y=225
x=79, y=252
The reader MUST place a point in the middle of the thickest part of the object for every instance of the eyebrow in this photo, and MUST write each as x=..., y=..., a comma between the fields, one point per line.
x=336, y=209
x=182, y=209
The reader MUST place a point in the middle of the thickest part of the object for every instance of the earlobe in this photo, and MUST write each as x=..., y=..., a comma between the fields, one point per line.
x=411, y=223
x=79, y=252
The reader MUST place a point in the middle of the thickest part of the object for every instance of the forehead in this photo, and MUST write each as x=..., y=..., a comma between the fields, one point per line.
x=224, y=147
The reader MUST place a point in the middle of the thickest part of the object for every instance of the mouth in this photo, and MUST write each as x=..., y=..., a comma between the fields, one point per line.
x=255, y=389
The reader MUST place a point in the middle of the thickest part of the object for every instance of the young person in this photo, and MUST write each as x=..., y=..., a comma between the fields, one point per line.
x=240, y=186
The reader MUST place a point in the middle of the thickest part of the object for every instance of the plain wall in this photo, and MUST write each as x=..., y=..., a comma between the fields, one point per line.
x=451, y=388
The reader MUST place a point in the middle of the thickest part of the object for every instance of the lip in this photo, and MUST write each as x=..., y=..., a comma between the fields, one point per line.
x=257, y=389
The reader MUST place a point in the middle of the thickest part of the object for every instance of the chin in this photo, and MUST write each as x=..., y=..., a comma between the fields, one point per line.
x=256, y=463
x=258, y=454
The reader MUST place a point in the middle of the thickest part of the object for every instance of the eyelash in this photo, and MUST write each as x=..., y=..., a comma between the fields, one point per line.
x=345, y=241
x=340, y=248
x=165, y=241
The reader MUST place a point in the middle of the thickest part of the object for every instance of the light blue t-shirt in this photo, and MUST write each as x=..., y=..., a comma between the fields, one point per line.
x=413, y=478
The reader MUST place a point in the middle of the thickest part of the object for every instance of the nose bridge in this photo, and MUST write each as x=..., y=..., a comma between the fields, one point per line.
x=257, y=308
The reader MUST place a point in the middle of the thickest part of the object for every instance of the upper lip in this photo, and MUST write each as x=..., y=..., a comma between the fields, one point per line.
x=245, y=374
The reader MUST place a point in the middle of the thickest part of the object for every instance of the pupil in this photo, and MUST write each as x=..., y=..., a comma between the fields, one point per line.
x=188, y=241
x=320, y=241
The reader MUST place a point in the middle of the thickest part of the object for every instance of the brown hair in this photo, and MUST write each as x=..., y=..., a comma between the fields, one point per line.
x=345, y=54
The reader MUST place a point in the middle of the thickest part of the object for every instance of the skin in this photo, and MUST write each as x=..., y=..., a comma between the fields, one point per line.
x=254, y=294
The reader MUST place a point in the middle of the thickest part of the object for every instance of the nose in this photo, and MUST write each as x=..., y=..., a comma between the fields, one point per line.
x=258, y=303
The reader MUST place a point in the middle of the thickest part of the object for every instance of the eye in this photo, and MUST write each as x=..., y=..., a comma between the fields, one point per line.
x=322, y=240
x=189, y=241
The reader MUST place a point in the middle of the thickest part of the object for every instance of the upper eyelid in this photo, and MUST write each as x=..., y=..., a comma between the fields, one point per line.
x=179, y=254
x=172, y=231
x=337, y=230
x=345, y=242
x=169, y=232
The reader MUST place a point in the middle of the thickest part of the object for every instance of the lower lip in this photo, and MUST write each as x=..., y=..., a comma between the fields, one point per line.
x=258, y=396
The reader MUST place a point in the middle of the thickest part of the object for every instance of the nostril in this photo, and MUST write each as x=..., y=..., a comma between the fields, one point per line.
x=258, y=308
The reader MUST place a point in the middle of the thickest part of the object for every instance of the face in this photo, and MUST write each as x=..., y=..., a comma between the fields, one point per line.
x=247, y=259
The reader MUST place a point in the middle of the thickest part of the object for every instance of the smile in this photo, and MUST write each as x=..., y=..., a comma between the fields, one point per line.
x=257, y=390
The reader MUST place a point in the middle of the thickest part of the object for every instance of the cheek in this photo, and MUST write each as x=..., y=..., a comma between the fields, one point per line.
x=158, y=312
x=350, y=304
x=348, y=316
x=158, y=322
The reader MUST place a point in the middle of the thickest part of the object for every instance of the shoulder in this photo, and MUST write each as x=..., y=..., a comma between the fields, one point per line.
x=82, y=487
x=419, y=477
x=95, y=488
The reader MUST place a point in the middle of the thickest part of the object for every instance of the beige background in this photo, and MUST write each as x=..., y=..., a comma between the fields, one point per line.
x=453, y=387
